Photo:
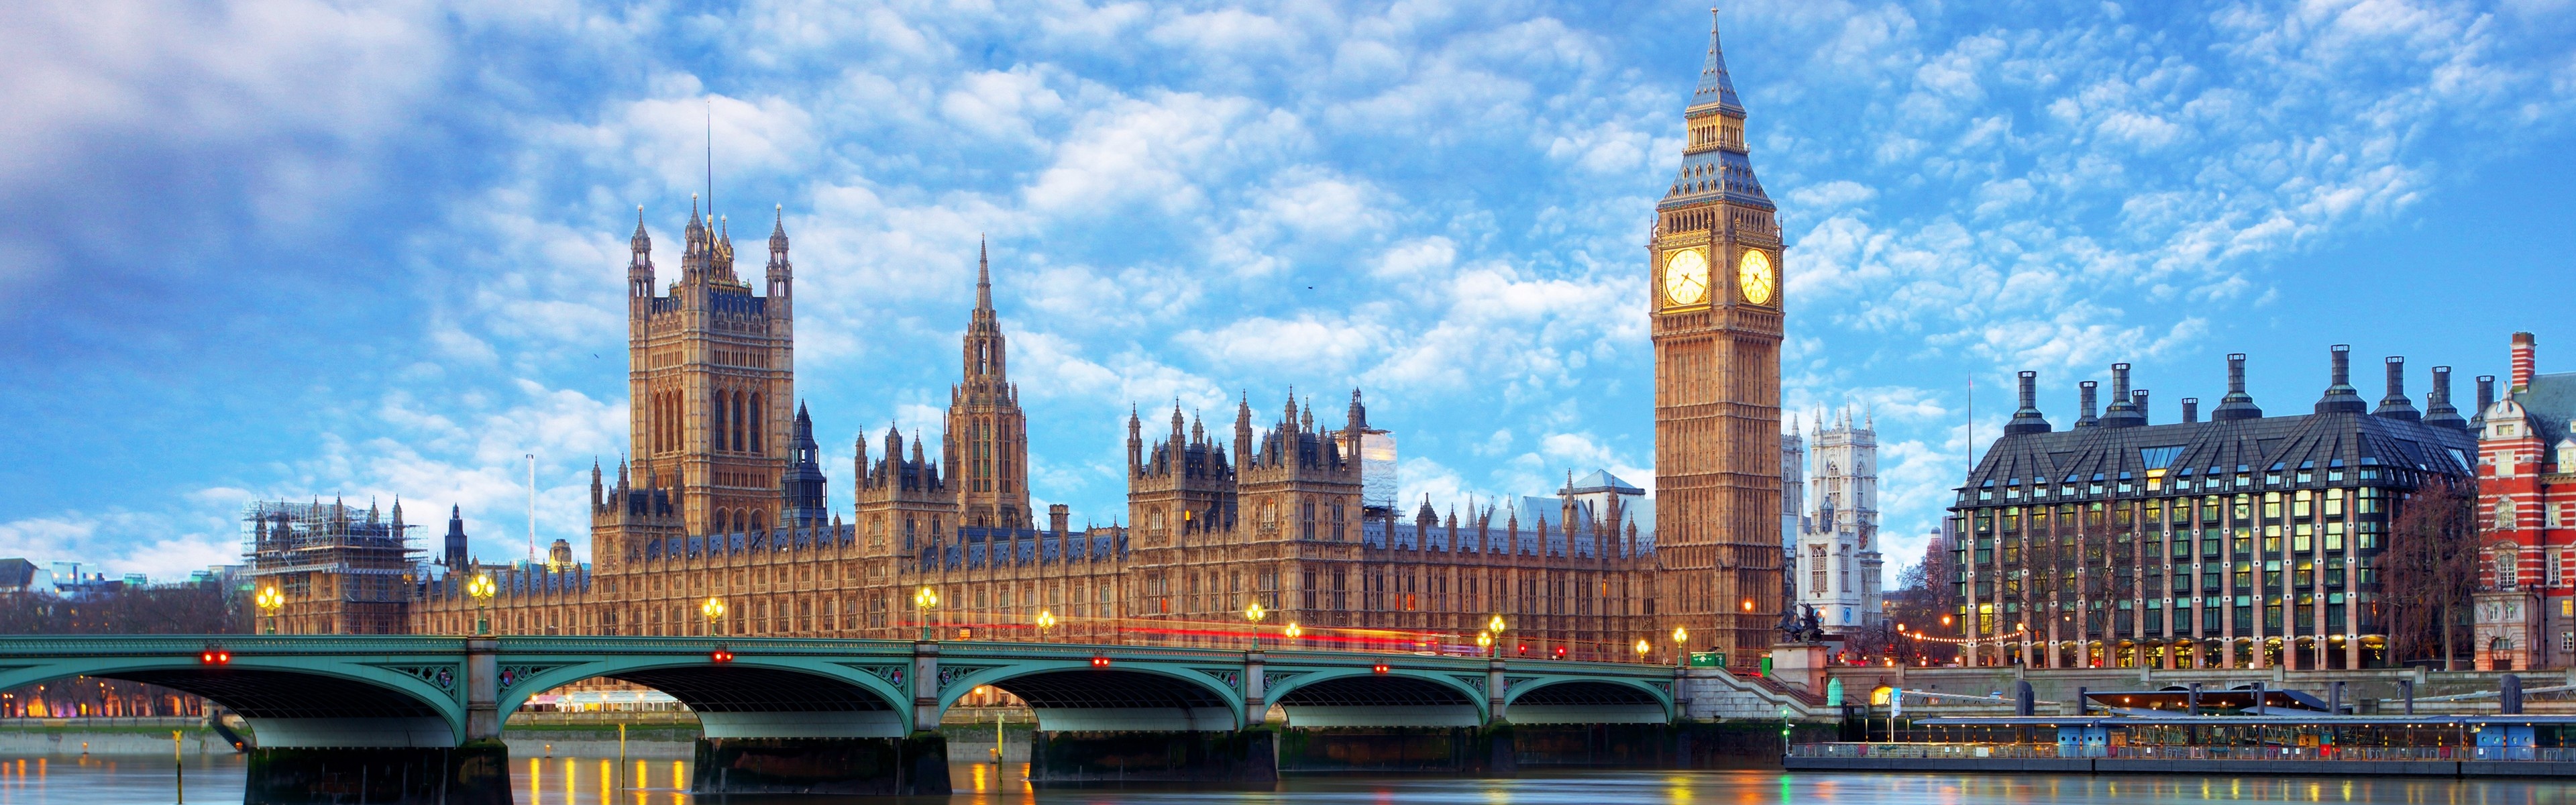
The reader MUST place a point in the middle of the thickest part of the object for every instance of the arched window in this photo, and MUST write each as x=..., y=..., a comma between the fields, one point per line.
x=716, y=422
x=756, y=442
x=738, y=441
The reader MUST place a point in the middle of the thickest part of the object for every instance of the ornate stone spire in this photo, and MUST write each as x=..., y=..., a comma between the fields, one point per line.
x=983, y=276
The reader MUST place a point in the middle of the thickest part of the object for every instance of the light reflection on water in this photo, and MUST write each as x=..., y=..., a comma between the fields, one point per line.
x=217, y=780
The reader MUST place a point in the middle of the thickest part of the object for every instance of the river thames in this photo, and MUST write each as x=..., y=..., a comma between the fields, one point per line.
x=143, y=780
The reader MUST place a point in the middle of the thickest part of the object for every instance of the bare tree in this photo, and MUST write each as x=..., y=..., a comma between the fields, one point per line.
x=178, y=609
x=2429, y=568
x=2108, y=581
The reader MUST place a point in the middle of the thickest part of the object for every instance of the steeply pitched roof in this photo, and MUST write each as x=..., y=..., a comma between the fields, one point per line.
x=1714, y=86
x=1603, y=481
x=2549, y=402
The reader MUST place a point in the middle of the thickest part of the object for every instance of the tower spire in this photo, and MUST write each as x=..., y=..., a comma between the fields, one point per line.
x=1714, y=86
x=983, y=276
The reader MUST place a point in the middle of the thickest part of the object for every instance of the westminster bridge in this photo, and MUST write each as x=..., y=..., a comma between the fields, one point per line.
x=420, y=717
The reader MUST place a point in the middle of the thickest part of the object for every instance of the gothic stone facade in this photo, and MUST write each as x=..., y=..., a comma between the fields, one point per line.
x=1717, y=313
x=723, y=499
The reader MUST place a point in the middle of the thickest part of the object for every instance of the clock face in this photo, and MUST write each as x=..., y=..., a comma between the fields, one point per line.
x=1685, y=277
x=1753, y=276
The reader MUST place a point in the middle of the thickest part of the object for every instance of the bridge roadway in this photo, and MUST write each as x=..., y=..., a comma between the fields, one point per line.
x=870, y=708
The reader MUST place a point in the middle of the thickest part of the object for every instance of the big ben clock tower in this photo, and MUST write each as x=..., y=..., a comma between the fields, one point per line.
x=1717, y=306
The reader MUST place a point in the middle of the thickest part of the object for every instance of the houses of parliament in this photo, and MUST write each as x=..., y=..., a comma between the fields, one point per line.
x=724, y=497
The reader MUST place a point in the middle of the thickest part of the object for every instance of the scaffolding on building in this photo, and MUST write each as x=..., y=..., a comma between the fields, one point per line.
x=338, y=569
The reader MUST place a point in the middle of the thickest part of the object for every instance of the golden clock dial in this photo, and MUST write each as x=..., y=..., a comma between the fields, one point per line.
x=1685, y=277
x=1753, y=276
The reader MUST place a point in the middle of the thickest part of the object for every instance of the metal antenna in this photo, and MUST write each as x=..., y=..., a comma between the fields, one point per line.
x=711, y=155
x=532, y=508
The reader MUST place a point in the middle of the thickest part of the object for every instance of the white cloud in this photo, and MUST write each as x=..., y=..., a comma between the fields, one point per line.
x=1443, y=202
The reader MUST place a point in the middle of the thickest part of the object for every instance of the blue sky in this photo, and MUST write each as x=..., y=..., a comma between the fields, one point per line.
x=297, y=248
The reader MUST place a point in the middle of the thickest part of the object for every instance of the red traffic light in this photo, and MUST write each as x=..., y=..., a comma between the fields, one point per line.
x=214, y=655
x=1098, y=661
x=1378, y=668
x=1560, y=652
x=722, y=655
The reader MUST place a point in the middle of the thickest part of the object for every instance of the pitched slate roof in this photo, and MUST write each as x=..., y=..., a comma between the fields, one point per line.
x=2549, y=403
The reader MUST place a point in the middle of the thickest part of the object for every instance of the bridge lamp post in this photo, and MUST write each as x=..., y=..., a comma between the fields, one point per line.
x=1484, y=641
x=1495, y=629
x=1255, y=613
x=1681, y=646
x=270, y=601
x=1046, y=620
x=481, y=590
x=923, y=601
x=714, y=610
x=1642, y=649
x=1293, y=630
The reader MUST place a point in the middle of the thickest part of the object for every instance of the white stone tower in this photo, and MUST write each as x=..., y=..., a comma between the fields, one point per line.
x=1838, y=558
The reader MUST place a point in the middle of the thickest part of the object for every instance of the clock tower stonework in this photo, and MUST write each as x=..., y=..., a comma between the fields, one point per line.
x=1717, y=309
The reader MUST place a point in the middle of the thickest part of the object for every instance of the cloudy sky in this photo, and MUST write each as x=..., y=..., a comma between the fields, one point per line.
x=291, y=248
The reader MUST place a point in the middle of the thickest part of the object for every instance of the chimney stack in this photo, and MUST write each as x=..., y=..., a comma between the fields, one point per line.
x=2486, y=397
x=2123, y=411
x=2524, y=362
x=2340, y=396
x=2437, y=403
x=2028, y=419
x=2395, y=405
x=2237, y=404
x=2087, y=419
x=2191, y=409
x=2138, y=405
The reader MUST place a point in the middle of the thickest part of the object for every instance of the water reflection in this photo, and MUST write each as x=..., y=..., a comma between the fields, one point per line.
x=217, y=780
x=110, y=779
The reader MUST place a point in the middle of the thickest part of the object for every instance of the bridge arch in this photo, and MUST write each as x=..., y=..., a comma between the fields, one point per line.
x=750, y=696
x=1075, y=695
x=1588, y=701
x=1361, y=697
x=293, y=701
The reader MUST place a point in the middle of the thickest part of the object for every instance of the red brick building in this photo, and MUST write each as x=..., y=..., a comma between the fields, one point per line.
x=2526, y=601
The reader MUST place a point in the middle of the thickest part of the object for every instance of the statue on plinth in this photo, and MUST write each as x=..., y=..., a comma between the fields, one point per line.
x=1801, y=625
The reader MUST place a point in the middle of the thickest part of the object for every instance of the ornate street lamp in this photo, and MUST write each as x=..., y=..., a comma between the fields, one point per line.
x=1642, y=648
x=923, y=601
x=1681, y=646
x=1293, y=631
x=480, y=589
x=1046, y=620
x=1495, y=629
x=1484, y=640
x=270, y=601
x=1254, y=613
x=714, y=610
